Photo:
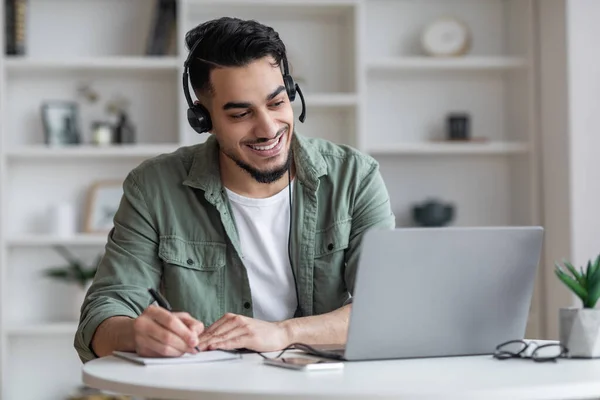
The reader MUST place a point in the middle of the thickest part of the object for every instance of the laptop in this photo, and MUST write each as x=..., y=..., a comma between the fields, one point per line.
x=438, y=292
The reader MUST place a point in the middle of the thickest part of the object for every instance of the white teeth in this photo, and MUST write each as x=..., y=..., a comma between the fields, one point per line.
x=263, y=148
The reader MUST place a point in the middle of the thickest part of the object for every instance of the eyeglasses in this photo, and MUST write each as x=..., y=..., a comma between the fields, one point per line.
x=530, y=350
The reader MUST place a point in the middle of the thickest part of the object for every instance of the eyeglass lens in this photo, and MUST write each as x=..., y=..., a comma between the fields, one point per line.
x=513, y=347
x=549, y=351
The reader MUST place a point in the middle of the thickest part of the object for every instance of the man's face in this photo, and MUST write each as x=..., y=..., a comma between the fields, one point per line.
x=252, y=118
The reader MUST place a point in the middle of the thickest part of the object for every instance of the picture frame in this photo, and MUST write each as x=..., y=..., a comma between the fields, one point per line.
x=61, y=122
x=103, y=200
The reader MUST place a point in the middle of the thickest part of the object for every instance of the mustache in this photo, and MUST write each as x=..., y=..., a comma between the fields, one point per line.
x=262, y=140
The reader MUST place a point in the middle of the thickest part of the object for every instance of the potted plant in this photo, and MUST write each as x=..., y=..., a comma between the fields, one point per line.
x=74, y=272
x=579, y=327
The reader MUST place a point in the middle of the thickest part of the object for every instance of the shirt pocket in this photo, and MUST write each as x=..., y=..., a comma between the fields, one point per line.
x=329, y=265
x=193, y=276
x=201, y=256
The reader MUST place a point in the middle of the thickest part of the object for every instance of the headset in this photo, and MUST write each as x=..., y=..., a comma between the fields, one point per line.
x=199, y=117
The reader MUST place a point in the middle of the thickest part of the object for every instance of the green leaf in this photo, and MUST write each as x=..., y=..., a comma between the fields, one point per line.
x=594, y=285
x=572, y=284
x=593, y=295
x=57, y=273
x=67, y=255
x=579, y=277
x=596, y=265
x=595, y=276
x=584, y=276
x=591, y=269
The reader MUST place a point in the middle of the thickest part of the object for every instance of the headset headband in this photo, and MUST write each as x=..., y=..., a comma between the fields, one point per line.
x=199, y=117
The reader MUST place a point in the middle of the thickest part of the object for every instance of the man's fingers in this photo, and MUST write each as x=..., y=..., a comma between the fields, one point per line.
x=224, y=319
x=174, y=324
x=216, y=332
x=193, y=324
x=221, y=330
x=228, y=332
x=151, y=347
x=237, y=342
x=167, y=337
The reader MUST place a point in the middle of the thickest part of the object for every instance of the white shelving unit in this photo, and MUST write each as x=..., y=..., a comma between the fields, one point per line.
x=38, y=152
x=27, y=65
x=366, y=83
x=33, y=240
x=481, y=63
x=486, y=148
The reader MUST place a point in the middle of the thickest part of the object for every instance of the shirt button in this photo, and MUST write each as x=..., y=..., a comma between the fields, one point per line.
x=190, y=261
x=330, y=246
x=246, y=305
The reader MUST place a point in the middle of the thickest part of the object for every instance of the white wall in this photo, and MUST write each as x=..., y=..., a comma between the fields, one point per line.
x=583, y=23
x=570, y=131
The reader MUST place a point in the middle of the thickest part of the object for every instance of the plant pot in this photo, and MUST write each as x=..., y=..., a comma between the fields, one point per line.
x=579, y=330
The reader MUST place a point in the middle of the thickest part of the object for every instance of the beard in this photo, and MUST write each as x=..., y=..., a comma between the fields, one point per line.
x=268, y=176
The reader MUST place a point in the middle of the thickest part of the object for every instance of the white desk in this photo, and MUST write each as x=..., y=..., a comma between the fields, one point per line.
x=480, y=377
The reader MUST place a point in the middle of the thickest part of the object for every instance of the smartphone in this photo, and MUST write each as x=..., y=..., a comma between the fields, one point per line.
x=304, y=363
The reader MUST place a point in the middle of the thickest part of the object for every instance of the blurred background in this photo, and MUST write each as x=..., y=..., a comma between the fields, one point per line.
x=480, y=112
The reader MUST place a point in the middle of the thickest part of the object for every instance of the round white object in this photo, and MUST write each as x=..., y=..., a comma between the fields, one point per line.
x=445, y=37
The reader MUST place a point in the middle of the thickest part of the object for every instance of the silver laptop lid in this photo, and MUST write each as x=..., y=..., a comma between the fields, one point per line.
x=424, y=292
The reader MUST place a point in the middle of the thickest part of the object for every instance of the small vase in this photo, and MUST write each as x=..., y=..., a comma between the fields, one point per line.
x=579, y=331
x=124, y=130
x=433, y=213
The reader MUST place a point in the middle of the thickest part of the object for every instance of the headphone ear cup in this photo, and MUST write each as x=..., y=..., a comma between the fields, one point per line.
x=199, y=118
x=290, y=87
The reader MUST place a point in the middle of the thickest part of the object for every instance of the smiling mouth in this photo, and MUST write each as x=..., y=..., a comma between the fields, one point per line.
x=267, y=147
x=270, y=145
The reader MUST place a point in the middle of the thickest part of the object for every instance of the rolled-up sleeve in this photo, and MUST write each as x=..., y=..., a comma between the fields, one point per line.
x=129, y=266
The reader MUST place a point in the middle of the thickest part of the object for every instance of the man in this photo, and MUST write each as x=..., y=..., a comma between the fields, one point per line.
x=209, y=225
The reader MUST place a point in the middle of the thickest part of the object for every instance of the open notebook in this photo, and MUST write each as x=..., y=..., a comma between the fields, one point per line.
x=204, y=356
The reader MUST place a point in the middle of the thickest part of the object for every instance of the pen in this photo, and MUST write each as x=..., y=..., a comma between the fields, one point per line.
x=164, y=304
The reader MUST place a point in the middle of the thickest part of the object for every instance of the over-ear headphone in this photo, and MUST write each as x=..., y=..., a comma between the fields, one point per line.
x=199, y=117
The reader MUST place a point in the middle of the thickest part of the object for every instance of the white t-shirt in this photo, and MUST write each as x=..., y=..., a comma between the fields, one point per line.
x=263, y=227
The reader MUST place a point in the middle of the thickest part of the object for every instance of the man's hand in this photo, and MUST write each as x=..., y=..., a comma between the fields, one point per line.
x=160, y=333
x=234, y=331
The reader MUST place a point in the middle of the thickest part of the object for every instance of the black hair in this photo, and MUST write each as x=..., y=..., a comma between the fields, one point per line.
x=229, y=42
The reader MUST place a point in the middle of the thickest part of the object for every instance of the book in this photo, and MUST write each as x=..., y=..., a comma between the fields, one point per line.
x=203, y=356
x=163, y=29
x=15, y=26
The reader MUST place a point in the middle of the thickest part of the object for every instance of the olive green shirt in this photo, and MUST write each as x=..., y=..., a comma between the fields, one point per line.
x=174, y=231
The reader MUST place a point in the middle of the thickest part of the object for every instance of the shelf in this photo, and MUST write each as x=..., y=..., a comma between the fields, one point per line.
x=16, y=64
x=458, y=63
x=329, y=100
x=274, y=3
x=57, y=328
x=89, y=151
x=450, y=148
x=49, y=240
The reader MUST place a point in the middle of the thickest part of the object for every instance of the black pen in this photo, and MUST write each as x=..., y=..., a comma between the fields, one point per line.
x=164, y=304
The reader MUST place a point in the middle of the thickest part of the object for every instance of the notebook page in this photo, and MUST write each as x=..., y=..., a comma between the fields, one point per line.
x=203, y=356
